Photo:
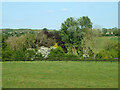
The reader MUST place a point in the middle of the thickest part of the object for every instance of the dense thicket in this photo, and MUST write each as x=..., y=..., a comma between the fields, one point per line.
x=76, y=40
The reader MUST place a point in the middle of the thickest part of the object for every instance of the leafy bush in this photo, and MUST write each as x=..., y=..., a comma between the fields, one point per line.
x=105, y=54
x=109, y=44
x=7, y=53
x=29, y=54
x=22, y=42
x=71, y=58
x=44, y=38
x=57, y=52
x=18, y=55
x=38, y=56
x=109, y=50
x=59, y=55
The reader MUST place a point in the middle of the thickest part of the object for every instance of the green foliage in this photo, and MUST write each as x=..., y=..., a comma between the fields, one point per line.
x=38, y=56
x=4, y=44
x=104, y=31
x=29, y=55
x=66, y=29
x=75, y=39
x=85, y=22
x=110, y=31
x=111, y=54
x=70, y=31
x=91, y=42
x=109, y=45
x=21, y=43
x=57, y=52
x=110, y=50
x=7, y=53
x=72, y=34
x=18, y=55
x=45, y=29
x=71, y=57
x=44, y=38
x=29, y=40
x=6, y=50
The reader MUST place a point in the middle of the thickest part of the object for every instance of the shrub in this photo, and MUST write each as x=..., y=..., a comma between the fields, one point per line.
x=7, y=53
x=38, y=56
x=59, y=55
x=22, y=42
x=71, y=58
x=109, y=45
x=29, y=54
x=18, y=55
x=57, y=52
x=44, y=51
x=56, y=45
x=105, y=54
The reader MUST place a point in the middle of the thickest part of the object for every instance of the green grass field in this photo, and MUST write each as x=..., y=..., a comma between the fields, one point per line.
x=60, y=74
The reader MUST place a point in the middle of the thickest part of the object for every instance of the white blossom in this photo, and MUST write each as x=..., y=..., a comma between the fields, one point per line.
x=85, y=55
x=45, y=51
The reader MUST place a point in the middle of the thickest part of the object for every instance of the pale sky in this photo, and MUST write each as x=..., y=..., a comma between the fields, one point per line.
x=38, y=15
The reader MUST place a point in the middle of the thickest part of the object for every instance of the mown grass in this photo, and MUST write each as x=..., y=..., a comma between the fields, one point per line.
x=60, y=74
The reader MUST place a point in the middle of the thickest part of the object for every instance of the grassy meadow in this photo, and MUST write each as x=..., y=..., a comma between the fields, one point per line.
x=60, y=74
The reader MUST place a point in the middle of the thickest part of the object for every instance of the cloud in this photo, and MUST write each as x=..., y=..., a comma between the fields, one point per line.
x=64, y=9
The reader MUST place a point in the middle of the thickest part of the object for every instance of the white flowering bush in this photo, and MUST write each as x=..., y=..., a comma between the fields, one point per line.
x=45, y=51
x=85, y=55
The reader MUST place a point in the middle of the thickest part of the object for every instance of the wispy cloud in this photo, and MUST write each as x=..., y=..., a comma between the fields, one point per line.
x=64, y=9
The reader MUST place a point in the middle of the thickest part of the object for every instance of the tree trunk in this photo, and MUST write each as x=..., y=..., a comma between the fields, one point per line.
x=74, y=49
x=94, y=55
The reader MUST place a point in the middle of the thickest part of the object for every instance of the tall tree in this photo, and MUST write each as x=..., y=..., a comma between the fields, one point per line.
x=45, y=38
x=85, y=22
x=22, y=42
x=72, y=31
x=92, y=42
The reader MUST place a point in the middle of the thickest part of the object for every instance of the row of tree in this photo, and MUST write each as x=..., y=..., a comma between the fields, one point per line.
x=75, y=38
x=110, y=32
